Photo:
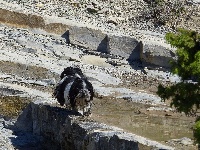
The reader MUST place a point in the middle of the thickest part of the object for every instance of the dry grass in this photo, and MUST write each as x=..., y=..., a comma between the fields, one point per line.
x=135, y=118
x=25, y=71
x=11, y=106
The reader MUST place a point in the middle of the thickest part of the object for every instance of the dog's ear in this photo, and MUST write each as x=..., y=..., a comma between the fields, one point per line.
x=64, y=73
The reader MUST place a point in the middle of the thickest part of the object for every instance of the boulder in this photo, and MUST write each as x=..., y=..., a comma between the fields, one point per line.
x=124, y=46
x=156, y=55
x=88, y=38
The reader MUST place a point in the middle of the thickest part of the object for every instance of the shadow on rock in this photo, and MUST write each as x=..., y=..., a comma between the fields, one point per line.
x=103, y=46
x=35, y=120
x=134, y=59
x=26, y=141
x=66, y=36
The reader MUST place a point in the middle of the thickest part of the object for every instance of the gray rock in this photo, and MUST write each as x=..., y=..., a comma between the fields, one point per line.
x=112, y=20
x=115, y=20
x=88, y=38
x=26, y=116
x=183, y=141
x=156, y=55
x=62, y=129
x=103, y=10
x=186, y=141
x=92, y=9
x=11, y=138
x=124, y=46
x=95, y=3
x=196, y=1
x=43, y=82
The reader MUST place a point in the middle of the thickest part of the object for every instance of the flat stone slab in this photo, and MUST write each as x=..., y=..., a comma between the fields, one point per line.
x=95, y=60
x=124, y=46
x=89, y=38
x=68, y=130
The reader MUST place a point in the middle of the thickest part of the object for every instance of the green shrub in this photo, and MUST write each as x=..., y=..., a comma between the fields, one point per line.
x=185, y=96
x=197, y=132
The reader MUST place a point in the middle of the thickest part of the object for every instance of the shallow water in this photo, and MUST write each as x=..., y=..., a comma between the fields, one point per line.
x=132, y=118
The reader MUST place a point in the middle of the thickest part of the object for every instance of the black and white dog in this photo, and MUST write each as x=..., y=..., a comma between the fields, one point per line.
x=74, y=90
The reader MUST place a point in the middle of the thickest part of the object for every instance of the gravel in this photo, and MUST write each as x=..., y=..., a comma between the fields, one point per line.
x=114, y=17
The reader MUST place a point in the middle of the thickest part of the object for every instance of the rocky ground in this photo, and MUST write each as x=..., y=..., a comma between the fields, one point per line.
x=32, y=59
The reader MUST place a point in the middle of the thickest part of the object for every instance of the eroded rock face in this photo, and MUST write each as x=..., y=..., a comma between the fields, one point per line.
x=92, y=39
x=156, y=55
x=124, y=46
x=65, y=130
x=89, y=38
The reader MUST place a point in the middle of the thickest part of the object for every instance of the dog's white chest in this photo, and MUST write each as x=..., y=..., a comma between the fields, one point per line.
x=66, y=93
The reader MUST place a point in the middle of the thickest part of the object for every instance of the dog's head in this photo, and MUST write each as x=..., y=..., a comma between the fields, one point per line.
x=71, y=71
x=83, y=98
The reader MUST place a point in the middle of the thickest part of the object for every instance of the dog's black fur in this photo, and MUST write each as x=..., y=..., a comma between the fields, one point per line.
x=70, y=71
x=81, y=91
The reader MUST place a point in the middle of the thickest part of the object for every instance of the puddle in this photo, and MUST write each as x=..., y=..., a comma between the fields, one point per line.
x=133, y=117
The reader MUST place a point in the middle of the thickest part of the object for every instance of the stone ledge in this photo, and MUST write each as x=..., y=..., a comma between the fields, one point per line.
x=67, y=130
x=157, y=55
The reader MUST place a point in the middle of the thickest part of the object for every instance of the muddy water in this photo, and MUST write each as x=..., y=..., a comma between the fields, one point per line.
x=133, y=117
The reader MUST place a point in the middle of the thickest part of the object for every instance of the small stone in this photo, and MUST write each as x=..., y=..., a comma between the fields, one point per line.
x=102, y=11
x=112, y=20
x=92, y=9
x=75, y=4
x=186, y=141
x=40, y=5
x=95, y=3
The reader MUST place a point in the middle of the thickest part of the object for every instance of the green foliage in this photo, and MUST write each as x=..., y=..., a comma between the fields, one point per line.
x=197, y=131
x=185, y=96
x=188, y=51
